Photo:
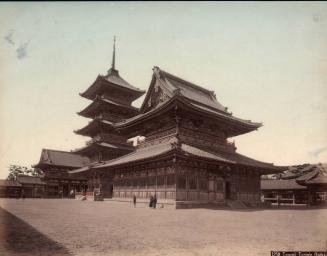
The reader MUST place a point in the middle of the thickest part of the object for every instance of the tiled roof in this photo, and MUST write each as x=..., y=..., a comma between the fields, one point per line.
x=193, y=96
x=297, y=171
x=234, y=158
x=140, y=154
x=192, y=91
x=161, y=149
x=320, y=179
x=105, y=145
x=243, y=125
x=308, y=176
x=280, y=185
x=79, y=170
x=173, y=84
x=93, y=126
x=9, y=183
x=96, y=105
x=317, y=176
x=62, y=158
x=247, y=122
x=24, y=179
x=114, y=78
x=202, y=153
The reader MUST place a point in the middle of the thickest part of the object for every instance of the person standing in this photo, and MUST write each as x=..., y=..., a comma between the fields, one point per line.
x=72, y=194
x=154, y=201
x=151, y=201
x=134, y=200
x=23, y=194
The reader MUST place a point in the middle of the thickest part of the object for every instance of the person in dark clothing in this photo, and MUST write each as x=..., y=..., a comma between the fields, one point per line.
x=151, y=201
x=154, y=202
x=134, y=200
x=23, y=194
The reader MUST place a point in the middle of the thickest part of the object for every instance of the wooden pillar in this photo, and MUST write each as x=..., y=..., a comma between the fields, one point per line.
x=187, y=185
x=293, y=197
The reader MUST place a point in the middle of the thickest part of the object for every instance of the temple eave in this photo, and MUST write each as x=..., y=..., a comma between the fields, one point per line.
x=189, y=152
x=241, y=126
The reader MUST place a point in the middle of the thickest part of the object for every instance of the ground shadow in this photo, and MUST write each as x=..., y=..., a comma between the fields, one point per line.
x=19, y=238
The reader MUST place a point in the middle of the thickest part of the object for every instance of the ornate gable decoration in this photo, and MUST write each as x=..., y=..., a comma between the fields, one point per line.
x=157, y=94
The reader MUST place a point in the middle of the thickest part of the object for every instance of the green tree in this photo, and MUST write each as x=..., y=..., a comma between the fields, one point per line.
x=15, y=170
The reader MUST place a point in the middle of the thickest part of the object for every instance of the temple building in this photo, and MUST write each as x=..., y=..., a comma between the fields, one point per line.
x=55, y=165
x=302, y=184
x=186, y=156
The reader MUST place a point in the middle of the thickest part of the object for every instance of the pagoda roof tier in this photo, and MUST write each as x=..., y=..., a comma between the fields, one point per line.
x=104, y=146
x=94, y=127
x=112, y=81
x=50, y=157
x=101, y=103
x=236, y=125
x=172, y=147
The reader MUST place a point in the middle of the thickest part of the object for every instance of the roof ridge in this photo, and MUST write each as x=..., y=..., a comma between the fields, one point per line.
x=61, y=151
x=72, y=152
x=174, y=77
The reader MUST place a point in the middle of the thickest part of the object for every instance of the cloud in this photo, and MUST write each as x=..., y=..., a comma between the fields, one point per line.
x=9, y=38
x=22, y=51
x=318, y=151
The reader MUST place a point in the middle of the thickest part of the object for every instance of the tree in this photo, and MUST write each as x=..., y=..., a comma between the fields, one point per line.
x=15, y=170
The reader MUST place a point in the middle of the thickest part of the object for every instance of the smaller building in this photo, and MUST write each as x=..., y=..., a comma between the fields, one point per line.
x=316, y=183
x=10, y=188
x=55, y=165
x=302, y=184
x=31, y=186
x=284, y=191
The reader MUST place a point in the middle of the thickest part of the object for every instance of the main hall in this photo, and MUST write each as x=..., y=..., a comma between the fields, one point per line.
x=185, y=156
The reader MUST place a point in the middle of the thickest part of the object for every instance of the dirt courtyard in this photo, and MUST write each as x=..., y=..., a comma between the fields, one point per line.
x=72, y=227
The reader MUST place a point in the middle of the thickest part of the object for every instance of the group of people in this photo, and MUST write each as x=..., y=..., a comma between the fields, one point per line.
x=152, y=204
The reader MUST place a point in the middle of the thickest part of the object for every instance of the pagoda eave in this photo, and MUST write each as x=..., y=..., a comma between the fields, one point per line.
x=100, y=85
x=94, y=127
x=100, y=103
x=104, y=146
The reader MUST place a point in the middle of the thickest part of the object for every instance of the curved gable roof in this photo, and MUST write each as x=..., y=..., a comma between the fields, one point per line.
x=192, y=92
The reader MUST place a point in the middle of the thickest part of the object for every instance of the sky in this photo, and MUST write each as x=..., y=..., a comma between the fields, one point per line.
x=265, y=61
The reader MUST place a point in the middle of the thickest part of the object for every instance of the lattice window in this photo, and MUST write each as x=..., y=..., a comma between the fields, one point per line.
x=203, y=184
x=181, y=182
x=161, y=181
x=170, y=180
x=151, y=181
x=192, y=182
x=142, y=182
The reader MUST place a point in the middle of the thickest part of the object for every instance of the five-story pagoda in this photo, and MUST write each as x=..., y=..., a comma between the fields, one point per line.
x=112, y=99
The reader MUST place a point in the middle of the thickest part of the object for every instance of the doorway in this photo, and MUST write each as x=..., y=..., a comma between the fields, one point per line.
x=227, y=190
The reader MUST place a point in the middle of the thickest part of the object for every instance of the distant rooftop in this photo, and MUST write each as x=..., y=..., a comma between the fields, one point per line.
x=62, y=158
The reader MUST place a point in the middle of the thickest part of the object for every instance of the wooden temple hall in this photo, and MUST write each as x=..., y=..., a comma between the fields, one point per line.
x=185, y=155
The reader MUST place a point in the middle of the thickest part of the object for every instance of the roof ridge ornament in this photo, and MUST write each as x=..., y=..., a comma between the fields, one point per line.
x=156, y=71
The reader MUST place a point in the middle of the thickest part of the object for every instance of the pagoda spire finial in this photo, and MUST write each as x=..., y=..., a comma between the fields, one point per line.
x=114, y=55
